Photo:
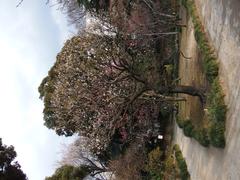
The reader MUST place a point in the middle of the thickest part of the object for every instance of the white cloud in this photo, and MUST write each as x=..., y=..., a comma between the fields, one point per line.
x=60, y=19
x=29, y=41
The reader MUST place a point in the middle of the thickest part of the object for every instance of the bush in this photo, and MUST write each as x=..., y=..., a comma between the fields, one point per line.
x=169, y=164
x=155, y=177
x=210, y=69
x=188, y=128
x=181, y=163
x=216, y=106
x=217, y=115
x=154, y=165
x=202, y=137
x=130, y=164
x=217, y=138
x=180, y=122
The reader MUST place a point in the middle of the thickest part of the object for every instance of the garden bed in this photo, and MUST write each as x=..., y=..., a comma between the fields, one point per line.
x=209, y=127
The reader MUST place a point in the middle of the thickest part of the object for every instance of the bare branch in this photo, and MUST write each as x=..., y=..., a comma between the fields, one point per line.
x=19, y=3
x=185, y=56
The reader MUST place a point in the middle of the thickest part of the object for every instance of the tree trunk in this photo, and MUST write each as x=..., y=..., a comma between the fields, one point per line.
x=189, y=90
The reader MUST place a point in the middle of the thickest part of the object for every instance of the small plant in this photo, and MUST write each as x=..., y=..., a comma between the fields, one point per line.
x=217, y=115
x=154, y=165
x=188, y=129
x=216, y=106
x=217, y=138
x=180, y=122
x=169, y=164
x=202, y=137
x=184, y=174
x=210, y=68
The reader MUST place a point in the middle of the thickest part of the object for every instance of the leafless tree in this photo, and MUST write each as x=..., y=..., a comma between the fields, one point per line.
x=77, y=154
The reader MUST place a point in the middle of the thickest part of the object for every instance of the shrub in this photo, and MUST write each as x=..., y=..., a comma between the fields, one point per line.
x=155, y=177
x=217, y=138
x=180, y=122
x=130, y=164
x=202, y=137
x=188, y=129
x=216, y=106
x=181, y=163
x=210, y=69
x=169, y=164
x=154, y=165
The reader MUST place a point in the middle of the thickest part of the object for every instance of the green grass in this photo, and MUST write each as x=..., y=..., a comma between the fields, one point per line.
x=173, y=166
x=214, y=134
x=215, y=103
x=210, y=64
x=200, y=134
x=182, y=165
x=217, y=115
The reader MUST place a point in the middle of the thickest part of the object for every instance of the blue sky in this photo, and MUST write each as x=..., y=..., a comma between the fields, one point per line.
x=30, y=38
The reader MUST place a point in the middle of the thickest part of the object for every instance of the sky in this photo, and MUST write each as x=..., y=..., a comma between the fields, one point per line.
x=30, y=38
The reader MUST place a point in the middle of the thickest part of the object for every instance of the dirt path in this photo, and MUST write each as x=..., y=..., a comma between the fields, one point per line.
x=222, y=23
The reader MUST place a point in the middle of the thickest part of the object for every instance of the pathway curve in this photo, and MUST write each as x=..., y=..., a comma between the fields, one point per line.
x=221, y=19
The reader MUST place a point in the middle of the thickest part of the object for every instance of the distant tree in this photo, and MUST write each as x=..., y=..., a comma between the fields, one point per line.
x=77, y=154
x=77, y=10
x=9, y=169
x=94, y=5
x=75, y=13
x=68, y=172
x=131, y=164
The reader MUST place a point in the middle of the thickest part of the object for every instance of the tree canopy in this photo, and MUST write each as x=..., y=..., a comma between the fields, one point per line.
x=9, y=169
x=68, y=172
x=91, y=89
x=94, y=5
x=106, y=85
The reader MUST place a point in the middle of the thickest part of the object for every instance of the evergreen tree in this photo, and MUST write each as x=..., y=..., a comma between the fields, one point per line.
x=9, y=169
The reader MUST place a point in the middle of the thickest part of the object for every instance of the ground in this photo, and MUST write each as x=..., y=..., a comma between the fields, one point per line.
x=221, y=19
x=191, y=73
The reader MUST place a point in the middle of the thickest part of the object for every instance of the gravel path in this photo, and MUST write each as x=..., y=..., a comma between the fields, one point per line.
x=222, y=23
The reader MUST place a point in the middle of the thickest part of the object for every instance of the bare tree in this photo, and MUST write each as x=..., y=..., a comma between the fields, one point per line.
x=130, y=164
x=76, y=15
x=77, y=154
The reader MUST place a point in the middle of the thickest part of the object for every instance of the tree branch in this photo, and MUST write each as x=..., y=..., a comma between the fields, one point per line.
x=19, y=3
